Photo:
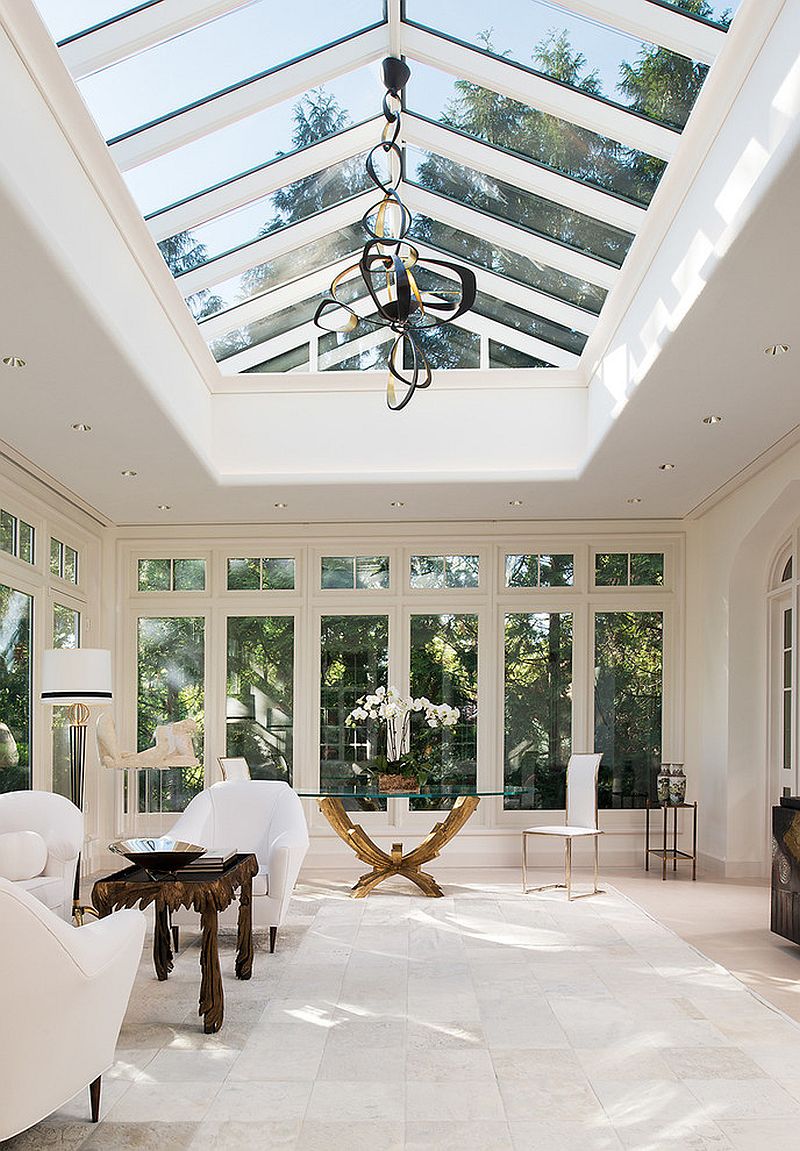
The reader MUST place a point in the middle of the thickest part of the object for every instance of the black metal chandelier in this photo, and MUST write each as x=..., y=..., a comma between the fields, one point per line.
x=389, y=266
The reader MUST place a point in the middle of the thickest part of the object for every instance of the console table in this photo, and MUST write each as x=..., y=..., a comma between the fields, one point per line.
x=785, y=901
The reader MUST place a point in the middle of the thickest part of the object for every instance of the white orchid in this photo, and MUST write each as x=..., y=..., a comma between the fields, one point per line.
x=395, y=710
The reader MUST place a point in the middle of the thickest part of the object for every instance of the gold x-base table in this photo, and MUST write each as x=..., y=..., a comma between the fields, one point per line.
x=385, y=864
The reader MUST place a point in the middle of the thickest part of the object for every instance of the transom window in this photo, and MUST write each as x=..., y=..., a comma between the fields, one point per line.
x=63, y=561
x=540, y=570
x=267, y=573
x=171, y=575
x=16, y=537
x=629, y=569
x=460, y=571
x=355, y=572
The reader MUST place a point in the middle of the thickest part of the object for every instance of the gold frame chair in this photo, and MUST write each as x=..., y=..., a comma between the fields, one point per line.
x=582, y=772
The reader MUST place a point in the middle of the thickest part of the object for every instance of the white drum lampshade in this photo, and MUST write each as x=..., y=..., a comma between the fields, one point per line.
x=76, y=675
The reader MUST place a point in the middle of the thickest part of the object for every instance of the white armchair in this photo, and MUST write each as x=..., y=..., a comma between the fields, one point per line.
x=63, y=995
x=60, y=824
x=263, y=816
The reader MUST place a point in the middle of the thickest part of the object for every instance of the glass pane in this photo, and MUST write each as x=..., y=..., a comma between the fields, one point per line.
x=171, y=686
x=338, y=572
x=787, y=571
x=370, y=360
x=577, y=52
x=529, y=323
x=556, y=570
x=8, y=525
x=294, y=360
x=189, y=575
x=154, y=575
x=66, y=633
x=504, y=356
x=537, y=136
x=70, y=564
x=278, y=574
x=16, y=670
x=787, y=730
x=25, y=542
x=244, y=575
x=427, y=571
x=67, y=18
x=627, y=705
x=647, y=568
x=260, y=694
x=538, y=708
x=476, y=250
x=444, y=668
x=462, y=571
x=787, y=669
x=787, y=628
x=447, y=347
x=522, y=571
x=220, y=54
x=719, y=12
x=516, y=206
x=372, y=571
x=354, y=662
x=611, y=569
x=253, y=141
x=283, y=270
x=56, y=557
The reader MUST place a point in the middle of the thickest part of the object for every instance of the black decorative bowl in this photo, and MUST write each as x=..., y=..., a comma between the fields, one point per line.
x=158, y=857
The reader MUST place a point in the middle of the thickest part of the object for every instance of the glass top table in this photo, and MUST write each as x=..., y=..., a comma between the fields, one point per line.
x=397, y=862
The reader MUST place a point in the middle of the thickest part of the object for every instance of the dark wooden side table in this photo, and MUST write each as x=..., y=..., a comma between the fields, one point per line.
x=667, y=852
x=207, y=894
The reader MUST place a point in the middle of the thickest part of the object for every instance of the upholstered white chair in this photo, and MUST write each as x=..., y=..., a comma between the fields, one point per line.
x=234, y=768
x=264, y=816
x=581, y=821
x=60, y=824
x=63, y=995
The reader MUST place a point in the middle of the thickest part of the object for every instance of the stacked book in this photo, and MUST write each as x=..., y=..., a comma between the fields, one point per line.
x=211, y=861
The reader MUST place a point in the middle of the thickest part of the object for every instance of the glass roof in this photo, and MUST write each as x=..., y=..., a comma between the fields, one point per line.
x=533, y=143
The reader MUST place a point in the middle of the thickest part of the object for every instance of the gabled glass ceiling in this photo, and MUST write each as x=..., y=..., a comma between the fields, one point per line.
x=534, y=141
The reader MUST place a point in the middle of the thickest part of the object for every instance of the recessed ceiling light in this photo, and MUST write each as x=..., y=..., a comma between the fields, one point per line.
x=128, y=473
x=165, y=507
x=712, y=419
x=397, y=504
x=14, y=361
x=280, y=505
x=81, y=427
x=777, y=349
x=634, y=499
x=666, y=467
x=515, y=503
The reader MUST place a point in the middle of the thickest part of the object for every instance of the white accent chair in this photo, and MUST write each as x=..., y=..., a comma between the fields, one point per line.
x=234, y=768
x=63, y=994
x=60, y=824
x=264, y=816
x=581, y=821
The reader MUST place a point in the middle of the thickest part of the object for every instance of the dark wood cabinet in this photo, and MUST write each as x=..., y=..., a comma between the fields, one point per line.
x=785, y=912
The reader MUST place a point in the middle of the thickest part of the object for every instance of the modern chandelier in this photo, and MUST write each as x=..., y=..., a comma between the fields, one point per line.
x=389, y=266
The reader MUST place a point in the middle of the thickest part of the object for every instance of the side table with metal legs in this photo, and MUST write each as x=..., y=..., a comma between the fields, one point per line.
x=669, y=851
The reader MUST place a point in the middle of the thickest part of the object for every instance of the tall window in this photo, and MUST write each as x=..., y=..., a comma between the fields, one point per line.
x=538, y=707
x=354, y=660
x=66, y=633
x=444, y=667
x=786, y=689
x=170, y=680
x=627, y=704
x=16, y=638
x=260, y=694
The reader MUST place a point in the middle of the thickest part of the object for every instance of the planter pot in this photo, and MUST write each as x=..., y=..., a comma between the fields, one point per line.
x=394, y=782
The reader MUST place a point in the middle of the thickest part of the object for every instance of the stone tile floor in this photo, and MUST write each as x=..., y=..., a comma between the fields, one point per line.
x=484, y=1021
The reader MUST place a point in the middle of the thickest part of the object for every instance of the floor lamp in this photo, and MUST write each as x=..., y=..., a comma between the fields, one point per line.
x=76, y=677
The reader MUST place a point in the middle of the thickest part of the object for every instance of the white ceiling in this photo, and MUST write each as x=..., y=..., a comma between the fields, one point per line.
x=87, y=302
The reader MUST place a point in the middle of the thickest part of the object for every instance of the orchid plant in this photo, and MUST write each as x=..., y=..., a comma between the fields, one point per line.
x=388, y=706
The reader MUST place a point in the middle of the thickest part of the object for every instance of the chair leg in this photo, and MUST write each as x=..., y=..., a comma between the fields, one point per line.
x=596, y=860
x=524, y=863
x=568, y=849
x=94, y=1097
x=273, y=935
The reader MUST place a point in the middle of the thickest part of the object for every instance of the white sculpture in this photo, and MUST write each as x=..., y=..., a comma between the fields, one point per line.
x=174, y=746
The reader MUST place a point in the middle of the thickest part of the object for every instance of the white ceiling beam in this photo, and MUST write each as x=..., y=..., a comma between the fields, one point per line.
x=142, y=29
x=519, y=83
x=531, y=345
x=262, y=181
x=664, y=26
x=326, y=360
x=276, y=244
x=529, y=176
x=249, y=357
x=506, y=235
x=247, y=98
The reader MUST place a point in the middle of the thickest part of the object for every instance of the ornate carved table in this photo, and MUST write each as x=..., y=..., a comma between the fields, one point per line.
x=208, y=894
x=397, y=862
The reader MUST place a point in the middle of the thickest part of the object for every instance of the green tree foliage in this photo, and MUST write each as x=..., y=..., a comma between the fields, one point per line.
x=16, y=631
x=260, y=693
x=182, y=252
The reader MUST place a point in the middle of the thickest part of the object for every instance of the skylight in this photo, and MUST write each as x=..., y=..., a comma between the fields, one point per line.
x=534, y=141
